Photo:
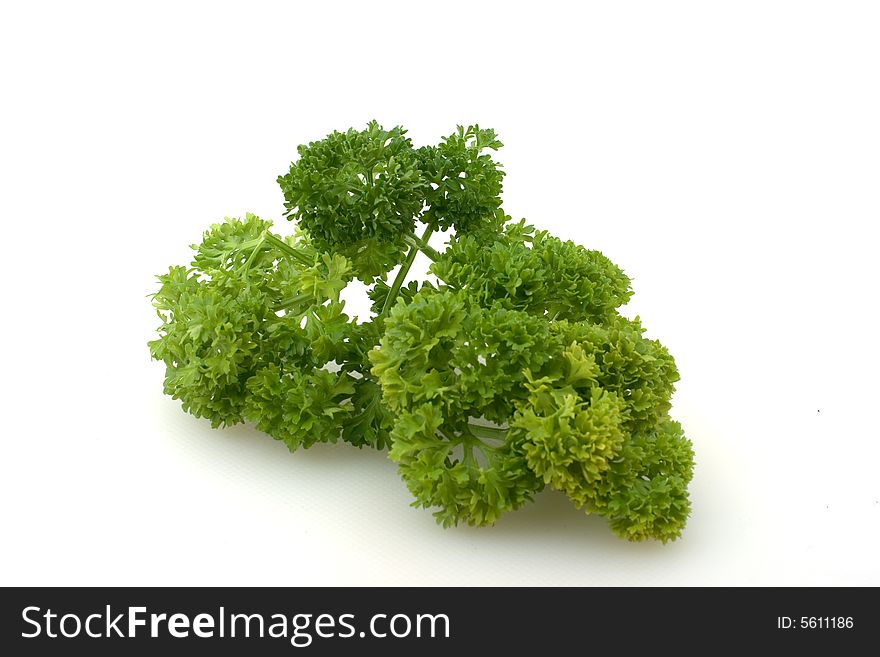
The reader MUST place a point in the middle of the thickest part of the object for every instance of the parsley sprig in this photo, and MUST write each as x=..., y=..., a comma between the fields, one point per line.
x=514, y=372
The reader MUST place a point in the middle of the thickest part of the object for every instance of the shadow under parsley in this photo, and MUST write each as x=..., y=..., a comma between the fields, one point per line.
x=551, y=521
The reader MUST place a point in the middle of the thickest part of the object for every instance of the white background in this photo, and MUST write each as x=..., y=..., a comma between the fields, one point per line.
x=726, y=154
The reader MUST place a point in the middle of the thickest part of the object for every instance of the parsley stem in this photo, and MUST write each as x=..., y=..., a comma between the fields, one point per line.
x=293, y=301
x=468, y=452
x=288, y=250
x=487, y=433
x=404, y=270
x=426, y=248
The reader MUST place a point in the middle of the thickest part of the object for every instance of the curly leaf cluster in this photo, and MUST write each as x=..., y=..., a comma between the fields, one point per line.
x=465, y=183
x=249, y=335
x=449, y=368
x=355, y=185
x=552, y=402
x=535, y=272
x=360, y=193
x=513, y=371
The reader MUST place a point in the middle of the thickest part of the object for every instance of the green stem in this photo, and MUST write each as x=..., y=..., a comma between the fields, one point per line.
x=489, y=433
x=425, y=248
x=292, y=301
x=404, y=270
x=254, y=252
x=288, y=250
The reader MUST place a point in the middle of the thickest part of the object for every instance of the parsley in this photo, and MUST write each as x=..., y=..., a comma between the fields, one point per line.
x=515, y=372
